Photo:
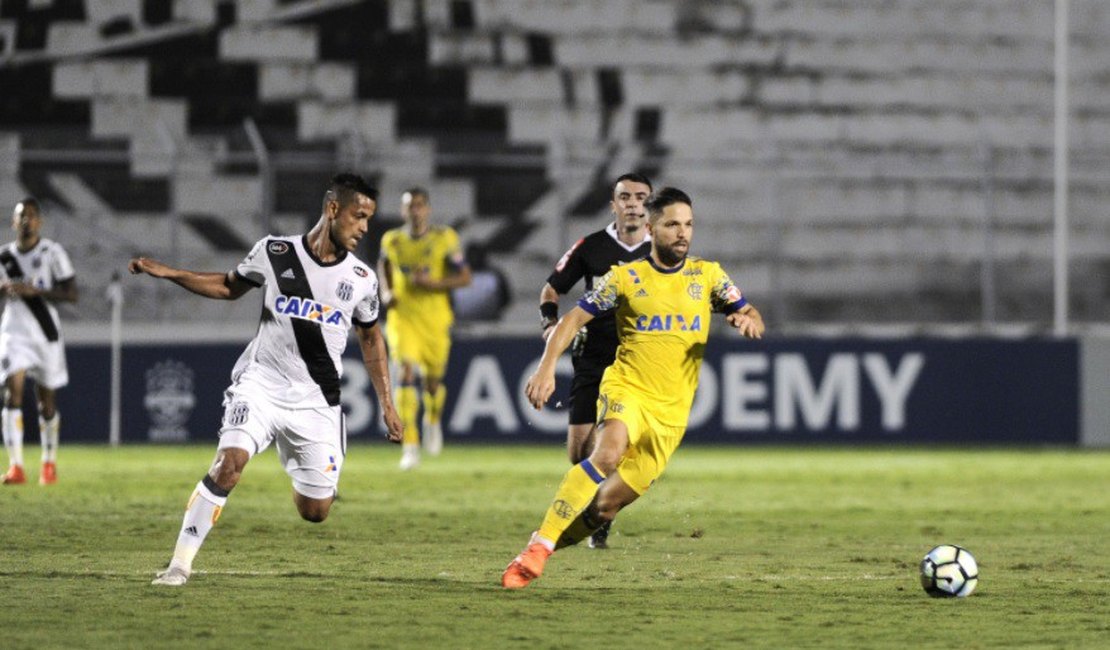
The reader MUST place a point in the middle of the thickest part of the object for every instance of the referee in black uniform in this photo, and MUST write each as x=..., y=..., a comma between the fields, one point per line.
x=595, y=347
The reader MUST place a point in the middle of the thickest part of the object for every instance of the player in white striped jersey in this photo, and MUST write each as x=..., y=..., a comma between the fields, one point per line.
x=285, y=386
x=35, y=272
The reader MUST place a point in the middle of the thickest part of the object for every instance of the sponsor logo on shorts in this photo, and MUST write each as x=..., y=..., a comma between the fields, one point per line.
x=305, y=309
x=331, y=465
x=278, y=247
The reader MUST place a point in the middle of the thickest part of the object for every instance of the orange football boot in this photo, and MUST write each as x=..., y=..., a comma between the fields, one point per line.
x=49, y=474
x=527, y=566
x=14, y=476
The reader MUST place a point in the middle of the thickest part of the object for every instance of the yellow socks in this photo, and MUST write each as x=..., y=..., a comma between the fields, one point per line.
x=577, y=490
x=408, y=403
x=433, y=404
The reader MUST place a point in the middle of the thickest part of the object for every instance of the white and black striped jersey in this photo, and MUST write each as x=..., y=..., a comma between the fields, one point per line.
x=45, y=266
x=307, y=313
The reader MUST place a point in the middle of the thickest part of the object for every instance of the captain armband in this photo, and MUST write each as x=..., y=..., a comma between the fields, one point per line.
x=549, y=314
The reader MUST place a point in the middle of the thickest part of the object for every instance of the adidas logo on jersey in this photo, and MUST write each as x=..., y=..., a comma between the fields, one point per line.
x=640, y=294
x=307, y=309
x=288, y=273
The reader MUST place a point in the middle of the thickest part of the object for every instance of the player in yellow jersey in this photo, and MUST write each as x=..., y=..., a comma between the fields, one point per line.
x=420, y=265
x=663, y=306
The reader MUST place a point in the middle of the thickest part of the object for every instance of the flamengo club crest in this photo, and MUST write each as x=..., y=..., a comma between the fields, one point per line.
x=169, y=400
x=345, y=291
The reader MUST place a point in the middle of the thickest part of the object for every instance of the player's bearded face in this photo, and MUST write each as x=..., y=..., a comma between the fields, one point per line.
x=672, y=232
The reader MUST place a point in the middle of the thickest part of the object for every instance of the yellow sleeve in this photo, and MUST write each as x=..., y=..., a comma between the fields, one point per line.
x=452, y=250
x=725, y=296
x=606, y=292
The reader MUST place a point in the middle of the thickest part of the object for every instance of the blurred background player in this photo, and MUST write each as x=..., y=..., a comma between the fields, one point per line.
x=595, y=346
x=663, y=308
x=36, y=273
x=315, y=291
x=420, y=264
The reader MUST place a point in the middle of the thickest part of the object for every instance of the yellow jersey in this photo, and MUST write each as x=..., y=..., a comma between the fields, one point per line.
x=663, y=320
x=436, y=252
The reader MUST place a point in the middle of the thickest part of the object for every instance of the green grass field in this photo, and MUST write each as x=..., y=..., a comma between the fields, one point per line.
x=776, y=548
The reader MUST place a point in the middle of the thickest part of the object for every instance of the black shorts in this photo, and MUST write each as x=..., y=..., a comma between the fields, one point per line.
x=584, y=389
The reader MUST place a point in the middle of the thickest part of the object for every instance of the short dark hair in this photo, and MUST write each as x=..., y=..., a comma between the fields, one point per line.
x=415, y=191
x=635, y=178
x=343, y=188
x=658, y=201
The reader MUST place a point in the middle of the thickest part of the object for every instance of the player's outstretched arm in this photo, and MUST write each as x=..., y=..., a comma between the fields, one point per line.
x=220, y=286
x=372, y=344
x=542, y=384
x=748, y=320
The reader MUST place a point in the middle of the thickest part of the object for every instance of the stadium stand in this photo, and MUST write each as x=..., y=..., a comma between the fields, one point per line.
x=849, y=161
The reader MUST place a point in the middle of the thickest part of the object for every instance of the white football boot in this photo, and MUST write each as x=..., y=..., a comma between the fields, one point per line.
x=410, y=457
x=175, y=575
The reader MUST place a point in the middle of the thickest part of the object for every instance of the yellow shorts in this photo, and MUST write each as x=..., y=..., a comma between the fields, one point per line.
x=418, y=342
x=650, y=442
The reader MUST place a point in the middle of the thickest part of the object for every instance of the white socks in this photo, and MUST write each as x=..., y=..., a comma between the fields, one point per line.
x=200, y=515
x=12, y=422
x=48, y=433
x=13, y=435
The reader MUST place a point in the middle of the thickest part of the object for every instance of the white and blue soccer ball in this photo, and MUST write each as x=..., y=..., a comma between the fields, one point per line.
x=949, y=571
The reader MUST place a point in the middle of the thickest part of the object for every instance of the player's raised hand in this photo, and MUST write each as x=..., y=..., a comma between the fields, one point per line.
x=749, y=323
x=539, y=388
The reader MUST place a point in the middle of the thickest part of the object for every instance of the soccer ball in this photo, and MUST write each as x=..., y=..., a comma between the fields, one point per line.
x=949, y=571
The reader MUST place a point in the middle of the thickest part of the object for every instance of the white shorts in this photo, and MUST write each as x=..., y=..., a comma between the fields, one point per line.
x=311, y=442
x=44, y=361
